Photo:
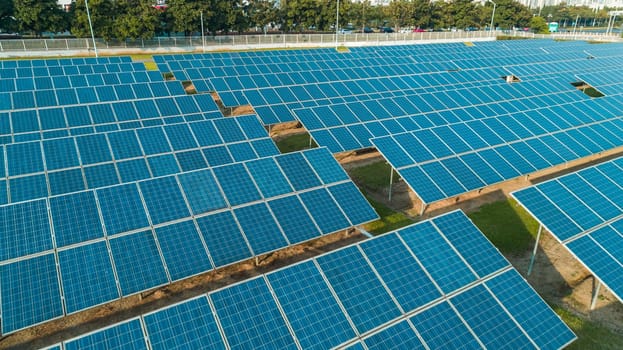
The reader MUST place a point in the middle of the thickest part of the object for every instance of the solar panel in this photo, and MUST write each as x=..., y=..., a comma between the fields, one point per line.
x=379, y=292
x=169, y=228
x=583, y=210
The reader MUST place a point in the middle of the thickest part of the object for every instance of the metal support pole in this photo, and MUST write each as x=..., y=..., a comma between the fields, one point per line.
x=536, y=246
x=86, y=3
x=310, y=141
x=424, y=206
x=492, y=16
x=203, y=38
x=595, y=293
x=337, y=23
x=391, y=182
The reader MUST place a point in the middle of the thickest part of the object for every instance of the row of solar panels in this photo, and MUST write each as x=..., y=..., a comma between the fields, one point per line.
x=37, y=124
x=78, y=80
x=57, y=62
x=583, y=210
x=459, y=164
x=70, y=70
x=453, y=290
x=142, y=235
x=37, y=169
x=413, y=112
x=83, y=95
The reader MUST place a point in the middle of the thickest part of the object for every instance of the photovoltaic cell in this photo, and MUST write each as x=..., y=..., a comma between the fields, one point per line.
x=222, y=235
x=164, y=200
x=25, y=230
x=260, y=228
x=398, y=336
x=441, y=328
x=183, y=250
x=87, y=276
x=365, y=299
x=312, y=311
x=30, y=292
x=137, y=262
x=76, y=218
x=187, y=325
x=122, y=208
x=250, y=318
x=126, y=335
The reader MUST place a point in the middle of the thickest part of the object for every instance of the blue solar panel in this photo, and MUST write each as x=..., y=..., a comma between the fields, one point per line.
x=450, y=272
x=260, y=228
x=93, y=149
x=298, y=171
x=122, y=208
x=222, y=235
x=402, y=274
x=268, y=177
x=164, y=200
x=398, y=336
x=101, y=175
x=294, y=220
x=75, y=218
x=183, y=250
x=365, y=299
x=87, y=276
x=133, y=170
x=137, y=261
x=60, y=153
x=532, y=313
x=30, y=292
x=236, y=184
x=325, y=165
x=441, y=328
x=201, y=191
x=494, y=328
x=27, y=231
x=479, y=253
x=123, y=336
x=324, y=210
x=24, y=158
x=124, y=145
x=28, y=187
x=250, y=318
x=356, y=208
x=190, y=324
x=309, y=306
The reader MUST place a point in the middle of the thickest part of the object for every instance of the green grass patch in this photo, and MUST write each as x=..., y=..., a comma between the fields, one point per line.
x=390, y=220
x=374, y=176
x=507, y=225
x=295, y=143
x=590, y=335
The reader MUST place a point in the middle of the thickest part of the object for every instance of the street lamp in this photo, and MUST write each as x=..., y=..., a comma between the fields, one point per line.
x=493, y=13
x=337, y=22
x=86, y=3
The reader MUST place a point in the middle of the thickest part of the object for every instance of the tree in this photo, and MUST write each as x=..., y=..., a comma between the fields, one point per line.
x=401, y=12
x=460, y=14
x=538, y=25
x=39, y=15
x=135, y=19
x=263, y=13
x=510, y=14
x=7, y=16
x=186, y=15
x=102, y=17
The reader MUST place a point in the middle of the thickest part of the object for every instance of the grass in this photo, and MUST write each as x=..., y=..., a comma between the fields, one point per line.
x=390, y=220
x=590, y=334
x=507, y=225
x=374, y=176
x=295, y=143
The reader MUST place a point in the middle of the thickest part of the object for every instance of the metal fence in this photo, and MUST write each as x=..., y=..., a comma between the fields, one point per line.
x=273, y=40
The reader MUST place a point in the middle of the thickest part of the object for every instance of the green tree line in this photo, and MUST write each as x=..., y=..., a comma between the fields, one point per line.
x=140, y=19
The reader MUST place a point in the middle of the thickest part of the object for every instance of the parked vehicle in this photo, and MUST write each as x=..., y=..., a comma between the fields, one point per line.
x=387, y=30
x=367, y=30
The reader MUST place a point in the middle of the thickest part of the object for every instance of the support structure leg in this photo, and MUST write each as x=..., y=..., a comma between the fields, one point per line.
x=424, y=206
x=595, y=293
x=391, y=182
x=536, y=246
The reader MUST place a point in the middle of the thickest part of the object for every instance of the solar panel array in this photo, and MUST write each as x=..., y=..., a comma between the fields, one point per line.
x=38, y=169
x=435, y=284
x=445, y=161
x=584, y=211
x=105, y=200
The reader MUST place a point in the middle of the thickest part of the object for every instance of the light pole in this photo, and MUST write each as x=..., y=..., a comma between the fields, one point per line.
x=337, y=22
x=203, y=39
x=86, y=3
x=493, y=13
